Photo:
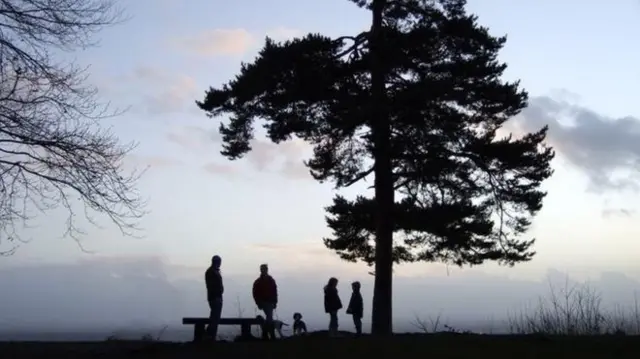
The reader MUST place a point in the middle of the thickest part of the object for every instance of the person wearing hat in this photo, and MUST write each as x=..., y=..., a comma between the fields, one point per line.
x=215, y=289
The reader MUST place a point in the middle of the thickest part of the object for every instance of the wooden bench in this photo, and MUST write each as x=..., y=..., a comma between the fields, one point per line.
x=245, y=324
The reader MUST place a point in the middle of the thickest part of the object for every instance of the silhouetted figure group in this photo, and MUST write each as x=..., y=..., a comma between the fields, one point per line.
x=265, y=295
x=332, y=304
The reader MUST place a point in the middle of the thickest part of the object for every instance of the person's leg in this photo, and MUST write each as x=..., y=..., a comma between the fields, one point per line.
x=268, y=313
x=333, y=322
x=357, y=321
x=265, y=328
x=211, y=318
x=214, y=318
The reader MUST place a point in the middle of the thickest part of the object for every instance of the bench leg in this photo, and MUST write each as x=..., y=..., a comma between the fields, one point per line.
x=245, y=331
x=198, y=332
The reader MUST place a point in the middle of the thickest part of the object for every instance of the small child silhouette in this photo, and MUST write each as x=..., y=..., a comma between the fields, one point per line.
x=355, y=307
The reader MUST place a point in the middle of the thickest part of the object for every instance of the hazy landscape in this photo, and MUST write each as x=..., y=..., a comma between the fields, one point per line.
x=130, y=298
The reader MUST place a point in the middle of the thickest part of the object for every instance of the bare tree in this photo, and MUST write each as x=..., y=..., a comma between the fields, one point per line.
x=53, y=150
x=430, y=326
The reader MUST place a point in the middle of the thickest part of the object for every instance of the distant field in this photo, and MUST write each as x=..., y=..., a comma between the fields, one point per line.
x=398, y=347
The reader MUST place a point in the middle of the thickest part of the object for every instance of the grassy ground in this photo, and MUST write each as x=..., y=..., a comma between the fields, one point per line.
x=400, y=346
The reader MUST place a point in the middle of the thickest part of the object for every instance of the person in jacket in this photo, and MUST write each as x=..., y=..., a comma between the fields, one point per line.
x=265, y=294
x=332, y=304
x=215, y=289
x=355, y=307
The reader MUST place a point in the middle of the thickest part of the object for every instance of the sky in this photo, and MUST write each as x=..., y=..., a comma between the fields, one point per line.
x=572, y=56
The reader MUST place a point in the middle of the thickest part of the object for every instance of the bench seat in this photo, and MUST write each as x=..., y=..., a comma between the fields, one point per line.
x=244, y=323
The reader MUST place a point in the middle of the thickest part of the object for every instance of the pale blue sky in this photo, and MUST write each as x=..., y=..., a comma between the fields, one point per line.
x=576, y=56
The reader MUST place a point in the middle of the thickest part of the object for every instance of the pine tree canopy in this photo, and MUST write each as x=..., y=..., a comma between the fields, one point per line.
x=465, y=194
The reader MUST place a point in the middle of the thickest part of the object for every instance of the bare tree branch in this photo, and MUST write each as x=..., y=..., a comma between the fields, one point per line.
x=430, y=326
x=54, y=152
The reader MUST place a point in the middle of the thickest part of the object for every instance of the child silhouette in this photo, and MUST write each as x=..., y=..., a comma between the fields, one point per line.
x=355, y=307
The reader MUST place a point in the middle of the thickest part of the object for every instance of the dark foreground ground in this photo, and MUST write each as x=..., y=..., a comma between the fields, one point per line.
x=398, y=347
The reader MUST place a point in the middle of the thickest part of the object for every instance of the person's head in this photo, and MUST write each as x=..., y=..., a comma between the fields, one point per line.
x=264, y=269
x=355, y=286
x=297, y=316
x=333, y=282
x=216, y=261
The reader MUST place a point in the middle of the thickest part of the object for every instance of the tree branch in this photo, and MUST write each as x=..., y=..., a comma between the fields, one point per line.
x=54, y=151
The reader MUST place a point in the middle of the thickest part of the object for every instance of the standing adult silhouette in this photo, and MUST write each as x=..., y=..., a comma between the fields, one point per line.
x=265, y=294
x=215, y=289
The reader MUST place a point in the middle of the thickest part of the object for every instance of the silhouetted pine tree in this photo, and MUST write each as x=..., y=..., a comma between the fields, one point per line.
x=416, y=101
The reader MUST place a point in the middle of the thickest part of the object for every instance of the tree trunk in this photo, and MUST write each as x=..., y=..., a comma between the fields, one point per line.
x=381, y=321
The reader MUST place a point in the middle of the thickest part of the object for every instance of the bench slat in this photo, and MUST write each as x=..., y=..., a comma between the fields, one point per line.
x=223, y=321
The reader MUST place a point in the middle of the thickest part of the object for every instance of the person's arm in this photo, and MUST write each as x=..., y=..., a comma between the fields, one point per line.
x=214, y=284
x=360, y=304
x=255, y=293
x=209, y=281
x=275, y=290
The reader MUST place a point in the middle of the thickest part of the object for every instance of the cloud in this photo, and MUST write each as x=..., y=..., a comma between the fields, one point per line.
x=285, y=158
x=312, y=248
x=290, y=155
x=148, y=74
x=215, y=168
x=283, y=33
x=166, y=92
x=294, y=168
x=152, y=91
x=304, y=256
x=620, y=212
x=229, y=42
x=216, y=42
x=152, y=162
x=194, y=138
x=606, y=149
x=611, y=209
